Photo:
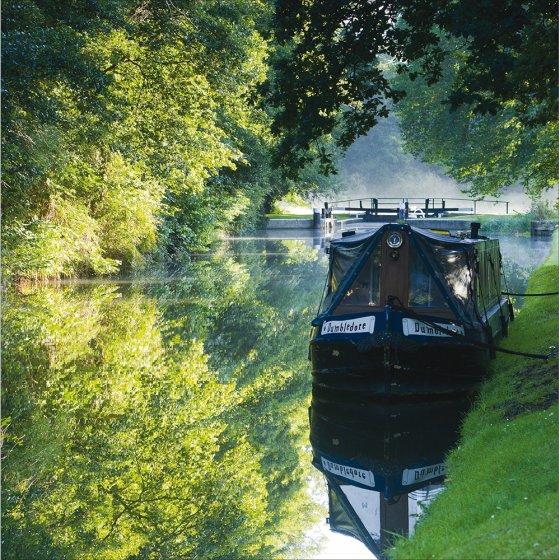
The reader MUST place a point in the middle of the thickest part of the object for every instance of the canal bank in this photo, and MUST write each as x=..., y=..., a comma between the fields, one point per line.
x=501, y=497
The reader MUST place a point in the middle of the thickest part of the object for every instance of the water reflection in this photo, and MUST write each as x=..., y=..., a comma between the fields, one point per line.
x=165, y=416
x=382, y=460
x=162, y=418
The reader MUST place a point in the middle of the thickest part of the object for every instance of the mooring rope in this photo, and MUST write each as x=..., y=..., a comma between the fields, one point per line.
x=529, y=295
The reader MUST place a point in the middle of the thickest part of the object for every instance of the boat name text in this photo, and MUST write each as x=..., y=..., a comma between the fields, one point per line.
x=350, y=326
x=412, y=476
x=352, y=473
x=412, y=327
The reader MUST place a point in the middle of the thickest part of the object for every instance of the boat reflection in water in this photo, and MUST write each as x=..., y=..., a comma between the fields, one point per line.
x=382, y=460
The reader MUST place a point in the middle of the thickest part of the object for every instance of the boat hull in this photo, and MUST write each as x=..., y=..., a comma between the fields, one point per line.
x=408, y=312
x=391, y=363
x=408, y=373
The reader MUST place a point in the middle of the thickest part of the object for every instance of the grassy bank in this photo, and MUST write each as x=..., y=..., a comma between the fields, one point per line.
x=501, y=499
x=512, y=223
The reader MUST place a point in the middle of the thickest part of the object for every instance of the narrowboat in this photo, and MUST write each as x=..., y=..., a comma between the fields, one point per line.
x=408, y=311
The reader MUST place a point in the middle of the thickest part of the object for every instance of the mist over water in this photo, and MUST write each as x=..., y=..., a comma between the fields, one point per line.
x=376, y=166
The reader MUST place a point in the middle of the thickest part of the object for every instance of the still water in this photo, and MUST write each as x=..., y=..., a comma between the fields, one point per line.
x=167, y=416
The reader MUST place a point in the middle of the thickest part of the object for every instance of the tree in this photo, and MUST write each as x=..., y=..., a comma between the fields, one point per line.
x=484, y=152
x=133, y=131
x=332, y=68
x=117, y=119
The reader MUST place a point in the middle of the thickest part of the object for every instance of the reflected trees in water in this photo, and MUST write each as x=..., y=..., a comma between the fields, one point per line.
x=160, y=421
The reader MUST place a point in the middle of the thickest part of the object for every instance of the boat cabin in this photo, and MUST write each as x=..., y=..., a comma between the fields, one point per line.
x=403, y=299
x=426, y=272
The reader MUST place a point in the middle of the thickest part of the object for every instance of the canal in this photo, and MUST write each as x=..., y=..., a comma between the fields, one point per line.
x=168, y=415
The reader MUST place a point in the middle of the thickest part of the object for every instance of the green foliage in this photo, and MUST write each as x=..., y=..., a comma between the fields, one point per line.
x=485, y=152
x=132, y=131
x=544, y=210
x=502, y=493
x=327, y=64
x=516, y=223
x=161, y=421
x=332, y=69
x=512, y=223
x=126, y=211
x=63, y=245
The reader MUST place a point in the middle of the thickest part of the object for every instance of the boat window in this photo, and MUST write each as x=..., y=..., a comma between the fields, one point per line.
x=456, y=271
x=422, y=290
x=365, y=290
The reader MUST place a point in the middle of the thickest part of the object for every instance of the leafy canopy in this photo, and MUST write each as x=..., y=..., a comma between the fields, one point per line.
x=332, y=71
x=131, y=129
x=484, y=152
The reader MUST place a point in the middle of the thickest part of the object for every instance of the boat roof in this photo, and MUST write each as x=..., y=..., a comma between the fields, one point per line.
x=359, y=238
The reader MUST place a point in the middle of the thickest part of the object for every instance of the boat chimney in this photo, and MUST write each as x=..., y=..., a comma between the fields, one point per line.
x=475, y=226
